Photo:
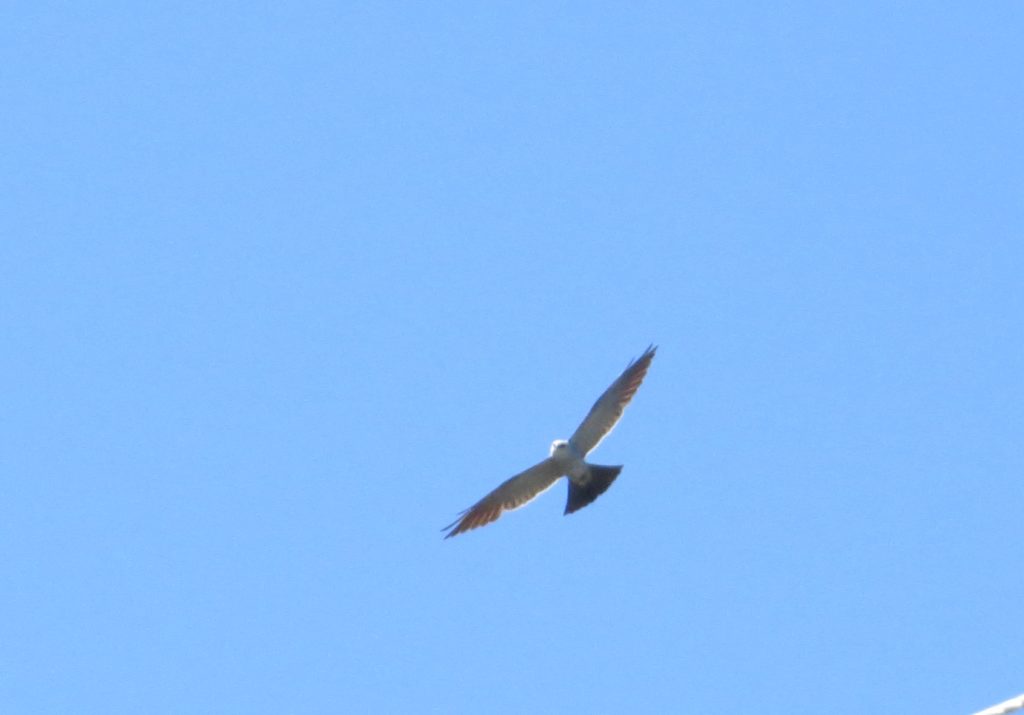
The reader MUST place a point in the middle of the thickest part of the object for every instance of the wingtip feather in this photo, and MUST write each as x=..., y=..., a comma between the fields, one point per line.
x=471, y=519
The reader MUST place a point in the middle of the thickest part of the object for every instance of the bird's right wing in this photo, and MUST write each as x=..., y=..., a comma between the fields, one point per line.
x=511, y=494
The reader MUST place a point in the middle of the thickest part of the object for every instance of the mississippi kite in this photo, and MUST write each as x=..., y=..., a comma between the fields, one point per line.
x=586, y=481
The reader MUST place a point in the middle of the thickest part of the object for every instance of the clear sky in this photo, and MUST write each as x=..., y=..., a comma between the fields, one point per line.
x=285, y=286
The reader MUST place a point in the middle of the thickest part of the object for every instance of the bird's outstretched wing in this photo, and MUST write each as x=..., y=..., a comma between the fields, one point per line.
x=511, y=494
x=609, y=406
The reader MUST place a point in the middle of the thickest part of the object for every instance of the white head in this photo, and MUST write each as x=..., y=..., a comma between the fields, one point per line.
x=560, y=448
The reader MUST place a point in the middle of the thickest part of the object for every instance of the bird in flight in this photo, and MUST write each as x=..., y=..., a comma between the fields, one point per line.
x=586, y=481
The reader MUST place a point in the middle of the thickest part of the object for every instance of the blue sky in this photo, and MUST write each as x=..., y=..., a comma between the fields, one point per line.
x=287, y=286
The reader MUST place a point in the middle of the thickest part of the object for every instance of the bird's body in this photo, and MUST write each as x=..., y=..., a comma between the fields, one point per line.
x=567, y=458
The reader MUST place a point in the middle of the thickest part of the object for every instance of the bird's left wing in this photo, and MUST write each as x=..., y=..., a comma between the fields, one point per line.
x=511, y=494
x=609, y=406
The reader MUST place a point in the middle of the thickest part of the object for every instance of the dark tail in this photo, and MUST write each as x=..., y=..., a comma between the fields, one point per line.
x=598, y=480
